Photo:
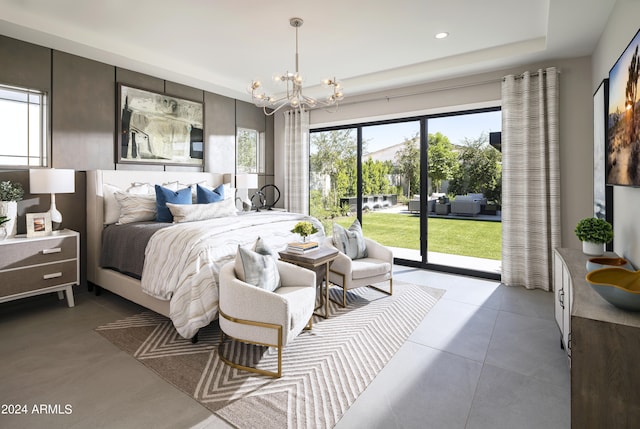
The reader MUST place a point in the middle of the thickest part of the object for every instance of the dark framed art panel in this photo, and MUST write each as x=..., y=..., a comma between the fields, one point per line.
x=157, y=128
x=602, y=193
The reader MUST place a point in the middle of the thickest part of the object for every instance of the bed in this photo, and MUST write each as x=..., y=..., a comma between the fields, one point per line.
x=181, y=260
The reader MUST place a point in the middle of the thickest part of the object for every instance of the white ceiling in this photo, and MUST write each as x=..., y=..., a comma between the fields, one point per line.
x=368, y=45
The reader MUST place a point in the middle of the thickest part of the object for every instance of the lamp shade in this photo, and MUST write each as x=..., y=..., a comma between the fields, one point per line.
x=246, y=181
x=52, y=181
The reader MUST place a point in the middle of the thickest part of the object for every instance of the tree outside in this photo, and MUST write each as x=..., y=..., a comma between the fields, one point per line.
x=247, y=147
x=442, y=160
x=479, y=170
x=408, y=165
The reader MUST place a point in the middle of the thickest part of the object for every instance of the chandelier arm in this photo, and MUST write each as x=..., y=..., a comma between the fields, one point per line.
x=294, y=97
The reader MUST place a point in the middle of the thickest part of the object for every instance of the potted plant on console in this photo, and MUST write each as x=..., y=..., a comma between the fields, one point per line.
x=594, y=234
x=10, y=194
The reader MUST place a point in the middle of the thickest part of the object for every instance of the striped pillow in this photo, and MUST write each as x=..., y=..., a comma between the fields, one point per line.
x=350, y=241
x=256, y=269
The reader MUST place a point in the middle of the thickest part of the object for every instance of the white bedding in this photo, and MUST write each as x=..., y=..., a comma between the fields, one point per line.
x=182, y=262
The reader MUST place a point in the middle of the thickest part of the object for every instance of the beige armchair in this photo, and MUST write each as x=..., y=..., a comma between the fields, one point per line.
x=354, y=273
x=257, y=316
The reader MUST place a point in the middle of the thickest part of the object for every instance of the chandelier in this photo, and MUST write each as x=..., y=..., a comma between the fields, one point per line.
x=293, y=81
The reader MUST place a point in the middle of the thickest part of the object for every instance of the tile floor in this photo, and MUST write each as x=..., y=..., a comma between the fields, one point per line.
x=486, y=356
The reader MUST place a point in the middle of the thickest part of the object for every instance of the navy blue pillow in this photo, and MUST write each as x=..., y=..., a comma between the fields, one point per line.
x=205, y=196
x=164, y=196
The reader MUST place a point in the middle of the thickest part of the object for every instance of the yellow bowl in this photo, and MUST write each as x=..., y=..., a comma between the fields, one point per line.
x=617, y=286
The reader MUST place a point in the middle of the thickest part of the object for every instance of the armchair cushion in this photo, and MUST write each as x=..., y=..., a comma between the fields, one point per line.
x=350, y=241
x=368, y=267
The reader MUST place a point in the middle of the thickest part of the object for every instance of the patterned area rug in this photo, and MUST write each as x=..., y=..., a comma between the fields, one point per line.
x=324, y=370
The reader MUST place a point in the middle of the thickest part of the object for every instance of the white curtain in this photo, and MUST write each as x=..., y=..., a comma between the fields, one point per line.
x=530, y=178
x=296, y=161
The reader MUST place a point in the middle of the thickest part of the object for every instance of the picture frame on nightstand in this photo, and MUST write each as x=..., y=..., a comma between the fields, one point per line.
x=38, y=224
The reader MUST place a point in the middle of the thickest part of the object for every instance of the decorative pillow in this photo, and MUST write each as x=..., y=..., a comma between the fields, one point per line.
x=164, y=196
x=263, y=248
x=256, y=269
x=192, y=212
x=139, y=188
x=206, y=196
x=350, y=241
x=135, y=208
x=111, y=206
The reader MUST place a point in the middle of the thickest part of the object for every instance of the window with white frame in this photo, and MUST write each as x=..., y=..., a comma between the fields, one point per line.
x=23, y=125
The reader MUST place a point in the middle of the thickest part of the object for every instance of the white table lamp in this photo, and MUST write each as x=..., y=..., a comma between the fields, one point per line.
x=52, y=181
x=244, y=182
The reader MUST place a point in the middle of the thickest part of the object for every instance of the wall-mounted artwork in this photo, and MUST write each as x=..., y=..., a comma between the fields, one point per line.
x=159, y=129
x=623, y=122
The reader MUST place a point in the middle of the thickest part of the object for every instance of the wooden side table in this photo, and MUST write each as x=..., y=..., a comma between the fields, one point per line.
x=318, y=261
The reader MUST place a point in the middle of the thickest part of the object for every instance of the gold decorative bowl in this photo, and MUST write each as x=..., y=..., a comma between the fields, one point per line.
x=603, y=262
x=617, y=286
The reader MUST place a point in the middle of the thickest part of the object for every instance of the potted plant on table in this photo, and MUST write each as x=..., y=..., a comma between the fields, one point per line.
x=594, y=234
x=305, y=229
x=10, y=194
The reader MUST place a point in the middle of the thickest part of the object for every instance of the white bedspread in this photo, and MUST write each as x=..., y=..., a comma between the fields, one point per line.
x=182, y=262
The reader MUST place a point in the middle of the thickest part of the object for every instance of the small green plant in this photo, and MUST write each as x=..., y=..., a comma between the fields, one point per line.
x=10, y=191
x=594, y=230
x=3, y=220
x=304, y=228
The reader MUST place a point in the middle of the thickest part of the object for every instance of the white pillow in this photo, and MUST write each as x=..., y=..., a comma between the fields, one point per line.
x=111, y=206
x=140, y=188
x=135, y=207
x=192, y=212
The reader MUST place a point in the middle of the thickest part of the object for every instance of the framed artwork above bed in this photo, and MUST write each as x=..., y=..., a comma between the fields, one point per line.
x=157, y=128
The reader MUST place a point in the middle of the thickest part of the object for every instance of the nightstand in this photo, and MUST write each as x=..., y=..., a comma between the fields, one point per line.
x=35, y=265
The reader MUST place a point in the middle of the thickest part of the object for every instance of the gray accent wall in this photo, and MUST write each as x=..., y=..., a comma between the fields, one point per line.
x=82, y=131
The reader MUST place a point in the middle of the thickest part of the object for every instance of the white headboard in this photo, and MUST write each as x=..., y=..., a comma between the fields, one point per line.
x=123, y=180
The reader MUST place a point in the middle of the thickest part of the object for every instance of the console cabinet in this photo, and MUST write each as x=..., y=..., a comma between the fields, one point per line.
x=603, y=345
x=36, y=265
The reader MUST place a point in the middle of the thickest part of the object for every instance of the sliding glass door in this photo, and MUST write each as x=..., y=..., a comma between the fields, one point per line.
x=390, y=181
x=333, y=176
x=427, y=187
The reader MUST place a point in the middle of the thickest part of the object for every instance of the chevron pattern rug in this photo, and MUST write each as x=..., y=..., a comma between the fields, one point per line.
x=324, y=370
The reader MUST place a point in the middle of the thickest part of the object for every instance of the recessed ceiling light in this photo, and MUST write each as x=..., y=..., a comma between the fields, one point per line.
x=442, y=35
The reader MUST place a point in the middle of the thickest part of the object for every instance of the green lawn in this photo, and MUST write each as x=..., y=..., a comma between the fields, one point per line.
x=480, y=239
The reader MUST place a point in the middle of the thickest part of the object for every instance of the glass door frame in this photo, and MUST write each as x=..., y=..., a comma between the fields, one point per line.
x=424, y=189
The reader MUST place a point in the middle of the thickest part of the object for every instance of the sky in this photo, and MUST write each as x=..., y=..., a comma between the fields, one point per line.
x=455, y=127
x=618, y=77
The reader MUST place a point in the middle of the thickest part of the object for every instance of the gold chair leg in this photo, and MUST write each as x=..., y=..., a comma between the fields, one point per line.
x=344, y=291
x=236, y=365
x=389, y=292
